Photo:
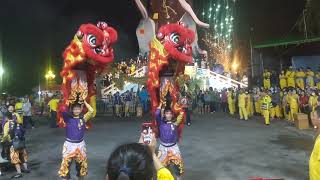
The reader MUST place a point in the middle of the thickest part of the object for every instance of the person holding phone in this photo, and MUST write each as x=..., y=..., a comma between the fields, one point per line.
x=122, y=163
x=13, y=137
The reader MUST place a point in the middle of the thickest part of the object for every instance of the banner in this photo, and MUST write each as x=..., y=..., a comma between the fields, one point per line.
x=306, y=61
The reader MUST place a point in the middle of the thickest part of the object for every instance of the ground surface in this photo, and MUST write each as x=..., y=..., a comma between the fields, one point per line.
x=215, y=147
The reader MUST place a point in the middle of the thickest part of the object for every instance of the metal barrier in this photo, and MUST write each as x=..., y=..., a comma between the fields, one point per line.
x=227, y=81
x=224, y=81
x=104, y=107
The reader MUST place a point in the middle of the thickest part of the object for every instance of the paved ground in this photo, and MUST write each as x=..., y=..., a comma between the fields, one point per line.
x=215, y=147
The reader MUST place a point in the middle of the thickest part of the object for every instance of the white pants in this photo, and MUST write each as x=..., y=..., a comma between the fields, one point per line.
x=171, y=155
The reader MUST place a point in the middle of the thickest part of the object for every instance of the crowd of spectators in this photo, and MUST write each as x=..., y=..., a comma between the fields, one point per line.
x=126, y=66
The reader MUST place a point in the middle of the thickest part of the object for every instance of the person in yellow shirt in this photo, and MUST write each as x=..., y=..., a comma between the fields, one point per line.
x=249, y=104
x=288, y=98
x=313, y=101
x=318, y=79
x=314, y=161
x=256, y=98
x=285, y=105
x=13, y=128
x=132, y=68
x=53, y=106
x=265, y=107
x=282, y=80
x=266, y=79
x=231, y=104
x=17, y=118
x=300, y=75
x=242, y=99
x=18, y=107
x=290, y=74
x=310, y=78
x=293, y=103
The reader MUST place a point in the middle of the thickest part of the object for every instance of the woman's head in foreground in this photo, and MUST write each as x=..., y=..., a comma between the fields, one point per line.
x=130, y=162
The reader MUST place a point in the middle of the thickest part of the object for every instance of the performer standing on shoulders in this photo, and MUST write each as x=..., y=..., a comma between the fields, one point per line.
x=169, y=151
x=266, y=79
x=74, y=147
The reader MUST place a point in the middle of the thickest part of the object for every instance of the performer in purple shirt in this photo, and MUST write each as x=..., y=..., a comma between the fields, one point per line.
x=169, y=151
x=74, y=147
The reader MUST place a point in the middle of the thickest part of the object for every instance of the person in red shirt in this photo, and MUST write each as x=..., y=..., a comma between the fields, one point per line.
x=224, y=100
x=185, y=103
x=303, y=102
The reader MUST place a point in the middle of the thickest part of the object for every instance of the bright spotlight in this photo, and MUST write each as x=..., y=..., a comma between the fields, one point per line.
x=1, y=71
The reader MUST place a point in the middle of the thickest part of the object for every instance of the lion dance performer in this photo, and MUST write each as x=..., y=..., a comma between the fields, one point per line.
x=87, y=56
x=170, y=51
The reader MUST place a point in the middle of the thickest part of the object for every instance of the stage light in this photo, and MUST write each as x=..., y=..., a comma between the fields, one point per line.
x=234, y=66
x=50, y=75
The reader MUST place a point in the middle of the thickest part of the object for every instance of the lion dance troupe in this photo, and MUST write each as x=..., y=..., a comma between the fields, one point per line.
x=88, y=55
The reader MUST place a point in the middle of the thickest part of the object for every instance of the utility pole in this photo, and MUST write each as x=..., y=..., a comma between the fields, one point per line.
x=251, y=53
x=1, y=67
x=305, y=25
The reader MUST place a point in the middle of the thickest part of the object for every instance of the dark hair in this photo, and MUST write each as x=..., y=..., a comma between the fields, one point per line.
x=167, y=109
x=11, y=105
x=75, y=105
x=130, y=162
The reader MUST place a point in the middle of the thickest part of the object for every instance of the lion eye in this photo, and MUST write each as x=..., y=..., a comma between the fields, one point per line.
x=92, y=40
x=175, y=38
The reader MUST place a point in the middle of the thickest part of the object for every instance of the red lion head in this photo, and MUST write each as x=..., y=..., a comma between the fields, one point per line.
x=177, y=40
x=97, y=41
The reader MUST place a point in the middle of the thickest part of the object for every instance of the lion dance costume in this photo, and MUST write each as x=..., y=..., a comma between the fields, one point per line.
x=170, y=50
x=87, y=56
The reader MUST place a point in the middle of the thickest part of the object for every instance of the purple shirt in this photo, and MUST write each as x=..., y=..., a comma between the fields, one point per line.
x=168, y=131
x=18, y=131
x=75, y=127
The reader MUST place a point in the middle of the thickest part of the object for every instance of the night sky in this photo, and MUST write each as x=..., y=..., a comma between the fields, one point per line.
x=34, y=33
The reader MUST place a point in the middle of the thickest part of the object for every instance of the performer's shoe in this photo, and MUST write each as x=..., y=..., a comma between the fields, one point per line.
x=18, y=175
x=188, y=124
